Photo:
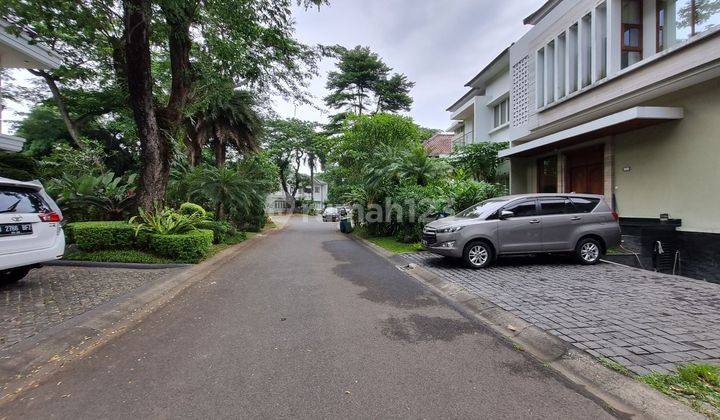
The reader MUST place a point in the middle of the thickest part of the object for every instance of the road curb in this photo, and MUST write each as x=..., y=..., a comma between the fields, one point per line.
x=95, y=264
x=31, y=362
x=624, y=396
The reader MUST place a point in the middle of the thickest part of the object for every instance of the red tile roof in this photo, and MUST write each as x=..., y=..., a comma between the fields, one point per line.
x=439, y=145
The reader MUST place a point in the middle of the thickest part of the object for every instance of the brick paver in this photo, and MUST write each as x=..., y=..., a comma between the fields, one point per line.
x=644, y=320
x=51, y=295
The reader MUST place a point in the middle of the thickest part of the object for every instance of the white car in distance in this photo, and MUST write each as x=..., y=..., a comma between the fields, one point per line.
x=30, y=229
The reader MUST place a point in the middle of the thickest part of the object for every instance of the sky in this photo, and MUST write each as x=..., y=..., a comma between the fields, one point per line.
x=438, y=44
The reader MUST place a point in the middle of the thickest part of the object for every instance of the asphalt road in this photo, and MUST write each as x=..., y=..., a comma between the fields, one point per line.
x=305, y=324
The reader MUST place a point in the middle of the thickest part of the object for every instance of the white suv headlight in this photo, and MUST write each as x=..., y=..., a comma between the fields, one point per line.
x=449, y=229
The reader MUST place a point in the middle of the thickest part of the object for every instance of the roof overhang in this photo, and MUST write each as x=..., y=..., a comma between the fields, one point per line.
x=498, y=65
x=463, y=100
x=18, y=51
x=455, y=125
x=11, y=143
x=628, y=120
x=540, y=13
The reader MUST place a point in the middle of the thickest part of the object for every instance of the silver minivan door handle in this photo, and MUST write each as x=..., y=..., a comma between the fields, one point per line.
x=534, y=221
x=576, y=218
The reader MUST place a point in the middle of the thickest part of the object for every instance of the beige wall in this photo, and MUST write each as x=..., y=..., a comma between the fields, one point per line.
x=675, y=166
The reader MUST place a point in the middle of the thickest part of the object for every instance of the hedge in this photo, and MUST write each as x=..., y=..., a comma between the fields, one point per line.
x=94, y=236
x=188, y=247
x=221, y=230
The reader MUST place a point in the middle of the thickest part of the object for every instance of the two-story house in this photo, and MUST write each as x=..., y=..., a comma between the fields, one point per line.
x=19, y=52
x=622, y=98
x=483, y=113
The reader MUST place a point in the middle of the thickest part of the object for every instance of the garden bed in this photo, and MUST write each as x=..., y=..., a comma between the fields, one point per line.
x=389, y=243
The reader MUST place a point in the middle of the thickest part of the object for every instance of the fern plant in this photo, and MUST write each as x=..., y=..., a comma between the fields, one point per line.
x=165, y=221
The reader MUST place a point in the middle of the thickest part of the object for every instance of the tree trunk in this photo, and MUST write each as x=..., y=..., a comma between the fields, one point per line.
x=154, y=148
x=70, y=125
x=312, y=179
x=220, y=152
x=289, y=198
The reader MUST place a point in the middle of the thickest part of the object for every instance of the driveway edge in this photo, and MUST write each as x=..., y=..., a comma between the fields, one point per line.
x=623, y=395
x=29, y=363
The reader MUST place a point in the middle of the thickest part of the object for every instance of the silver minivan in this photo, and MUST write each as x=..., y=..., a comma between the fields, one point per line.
x=583, y=224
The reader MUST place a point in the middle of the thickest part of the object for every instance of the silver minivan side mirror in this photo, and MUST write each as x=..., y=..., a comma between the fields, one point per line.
x=506, y=214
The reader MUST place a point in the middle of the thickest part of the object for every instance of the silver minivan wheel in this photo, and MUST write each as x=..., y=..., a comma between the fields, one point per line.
x=588, y=251
x=478, y=255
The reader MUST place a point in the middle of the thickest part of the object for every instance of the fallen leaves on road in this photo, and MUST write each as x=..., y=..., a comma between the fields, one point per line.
x=511, y=327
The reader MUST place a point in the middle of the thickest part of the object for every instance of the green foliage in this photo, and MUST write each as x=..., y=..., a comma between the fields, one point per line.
x=221, y=230
x=189, y=209
x=117, y=255
x=463, y=193
x=226, y=117
x=43, y=129
x=480, y=159
x=191, y=246
x=67, y=161
x=362, y=80
x=165, y=221
x=17, y=166
x=105, y=196
x=94, y=236
x=695, y=384
x=235, y=238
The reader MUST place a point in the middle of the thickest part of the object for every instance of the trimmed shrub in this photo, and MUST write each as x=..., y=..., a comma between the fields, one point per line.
x=191, y=208
x=94, y=236
x=188, y=247
x=221, y=230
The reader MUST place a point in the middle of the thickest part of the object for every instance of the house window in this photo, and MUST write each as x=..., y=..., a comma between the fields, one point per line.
x=632, y=28
x=678, y=20
x=501, y=113
x=317, y=190
x=540, y=81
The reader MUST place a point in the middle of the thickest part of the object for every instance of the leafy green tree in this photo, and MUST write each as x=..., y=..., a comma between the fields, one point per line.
x=361, y=79
x=286, y=142
x=480, y=159
x=154, y=52
x=393, y=94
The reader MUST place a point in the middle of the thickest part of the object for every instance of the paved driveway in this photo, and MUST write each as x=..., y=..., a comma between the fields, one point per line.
x=306, y=323
x=643, y=320
x=51, y=295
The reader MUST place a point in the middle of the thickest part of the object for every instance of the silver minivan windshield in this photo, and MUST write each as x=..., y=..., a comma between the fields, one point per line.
x=482, y=209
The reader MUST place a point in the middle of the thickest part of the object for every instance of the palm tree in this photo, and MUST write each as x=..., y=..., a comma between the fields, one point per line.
x=227, y=120
x=225, y=191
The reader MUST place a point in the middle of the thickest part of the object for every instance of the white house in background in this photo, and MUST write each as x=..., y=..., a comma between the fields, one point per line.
x=19, y=52
x=483, y=113
x=277, y=203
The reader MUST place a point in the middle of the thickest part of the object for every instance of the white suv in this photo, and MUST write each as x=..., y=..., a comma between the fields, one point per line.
x=30, y=230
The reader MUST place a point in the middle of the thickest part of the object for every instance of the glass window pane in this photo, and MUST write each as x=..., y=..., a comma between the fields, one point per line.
x=631, y=11
x=524, y=209
x=707, y=15
x=21, y=200
x=585, y=205
x=550, y=206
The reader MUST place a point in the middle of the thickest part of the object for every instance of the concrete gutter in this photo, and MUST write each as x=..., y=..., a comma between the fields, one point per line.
x=94, y=264
x=34, y=361
x=624, y=396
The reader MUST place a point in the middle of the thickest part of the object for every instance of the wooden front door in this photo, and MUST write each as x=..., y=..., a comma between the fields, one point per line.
x=585, y=172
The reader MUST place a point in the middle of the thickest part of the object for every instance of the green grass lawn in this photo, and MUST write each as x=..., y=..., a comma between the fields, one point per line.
x=388, y=242
x=393, y=245
x=696, y=384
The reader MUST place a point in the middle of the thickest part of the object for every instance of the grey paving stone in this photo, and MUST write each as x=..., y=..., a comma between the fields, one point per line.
x=50, y=295
x=610, y=310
